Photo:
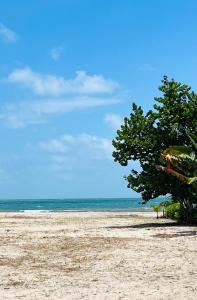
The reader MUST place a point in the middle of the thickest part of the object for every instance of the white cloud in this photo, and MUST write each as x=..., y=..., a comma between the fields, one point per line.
x=65, y=95
x=56, y=53
x=83, y=146
x=113, y=120
x=22, y=114
x=54, y=146
x=7, y=34
x=146, y=68
x=67, y=152
x=51, y=85
x=13, y=121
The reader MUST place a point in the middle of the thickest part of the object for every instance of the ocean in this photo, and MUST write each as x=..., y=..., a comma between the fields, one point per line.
x=94, y=204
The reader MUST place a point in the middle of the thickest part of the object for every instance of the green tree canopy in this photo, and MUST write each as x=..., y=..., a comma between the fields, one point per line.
x=143, y=136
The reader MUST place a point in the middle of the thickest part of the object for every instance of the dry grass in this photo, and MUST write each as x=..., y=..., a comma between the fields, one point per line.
x=63, y=254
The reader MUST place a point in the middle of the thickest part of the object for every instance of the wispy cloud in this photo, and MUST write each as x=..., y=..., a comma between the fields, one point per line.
x=113, y=120
x=67, y=152
x=59, y=96
x=7, y=34
x=22, y=114
x=51, y=85
x=56, y=53
x=146, y=68
x=83, y=146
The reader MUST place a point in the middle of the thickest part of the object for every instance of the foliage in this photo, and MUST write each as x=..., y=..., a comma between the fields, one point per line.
x=157, y=209
x=163, y=206
x=173, y=211
x=182, y=162
x=143, y=136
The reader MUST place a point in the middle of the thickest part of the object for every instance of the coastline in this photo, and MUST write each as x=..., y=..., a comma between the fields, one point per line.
x=96, y=255
x=134, y=210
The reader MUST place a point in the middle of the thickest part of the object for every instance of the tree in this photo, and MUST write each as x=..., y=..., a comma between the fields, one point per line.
x=182, y=163
x=143, y=136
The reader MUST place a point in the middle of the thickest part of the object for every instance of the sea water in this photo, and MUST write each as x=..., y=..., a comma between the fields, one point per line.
x=90, y=204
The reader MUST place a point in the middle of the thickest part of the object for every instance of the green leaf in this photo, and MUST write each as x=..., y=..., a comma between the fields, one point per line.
x=179, y=152
x=193, y=139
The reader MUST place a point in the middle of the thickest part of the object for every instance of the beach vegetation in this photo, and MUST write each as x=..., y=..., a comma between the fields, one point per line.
x=163, y=206
x=157, y=209
x=146, y=137
x=173, y=211
x=181, y=162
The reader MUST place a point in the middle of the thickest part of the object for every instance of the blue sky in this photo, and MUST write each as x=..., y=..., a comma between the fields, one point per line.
x=69, y=71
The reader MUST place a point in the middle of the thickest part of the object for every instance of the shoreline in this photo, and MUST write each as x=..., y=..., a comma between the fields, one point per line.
x=145, y=210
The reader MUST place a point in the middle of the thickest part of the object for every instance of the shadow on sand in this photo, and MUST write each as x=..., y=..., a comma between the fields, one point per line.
x=177, y=234
x=165, y=225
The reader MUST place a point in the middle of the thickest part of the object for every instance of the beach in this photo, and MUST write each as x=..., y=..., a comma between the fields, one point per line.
x=96, y=255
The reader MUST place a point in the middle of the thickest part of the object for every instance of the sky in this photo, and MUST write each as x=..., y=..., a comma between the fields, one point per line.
x=69, y=71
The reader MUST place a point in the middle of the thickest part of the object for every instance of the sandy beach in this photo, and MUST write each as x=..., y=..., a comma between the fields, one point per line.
x=96, y=255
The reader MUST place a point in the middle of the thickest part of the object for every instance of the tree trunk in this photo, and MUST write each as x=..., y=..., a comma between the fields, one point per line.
x=190, y=208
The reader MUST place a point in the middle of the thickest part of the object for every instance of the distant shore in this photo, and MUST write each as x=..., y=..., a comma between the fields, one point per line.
x=96, y=255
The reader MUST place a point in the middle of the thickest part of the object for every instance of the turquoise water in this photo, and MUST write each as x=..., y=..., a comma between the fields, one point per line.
x=99, y=204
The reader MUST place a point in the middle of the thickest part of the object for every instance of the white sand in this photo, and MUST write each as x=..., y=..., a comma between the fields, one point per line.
x=96, y=256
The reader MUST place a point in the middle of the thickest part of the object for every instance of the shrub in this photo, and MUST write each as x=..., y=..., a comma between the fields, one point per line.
x=173, y=211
